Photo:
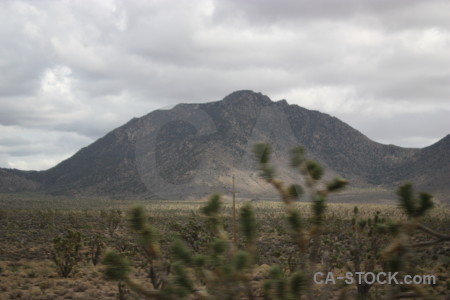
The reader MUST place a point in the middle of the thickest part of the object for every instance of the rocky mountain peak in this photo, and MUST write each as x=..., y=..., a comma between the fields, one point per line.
x=247, y=96
x=192, y=150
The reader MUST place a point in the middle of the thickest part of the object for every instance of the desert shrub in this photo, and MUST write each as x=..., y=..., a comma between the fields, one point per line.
x=95, y=245
x=112, y=219
x=194, y=232
x=67, y=252
x=46, y=218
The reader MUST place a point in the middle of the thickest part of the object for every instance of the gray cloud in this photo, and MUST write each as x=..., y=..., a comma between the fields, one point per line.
x=391, y=14
x=72, y=71
x=28, y=148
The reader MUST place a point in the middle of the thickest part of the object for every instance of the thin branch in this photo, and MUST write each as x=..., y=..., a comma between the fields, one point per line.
x=428, y=230
x=428, y=243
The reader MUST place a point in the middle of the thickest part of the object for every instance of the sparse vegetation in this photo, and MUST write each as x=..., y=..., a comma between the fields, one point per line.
x=66, y=252
x=175, y=250
x=96, y=246
x=274, y=246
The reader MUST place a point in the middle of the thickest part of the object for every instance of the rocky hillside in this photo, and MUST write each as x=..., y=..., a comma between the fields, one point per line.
x=192, y=150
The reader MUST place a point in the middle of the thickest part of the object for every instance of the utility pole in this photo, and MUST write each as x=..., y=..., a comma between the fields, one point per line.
x=234, y=215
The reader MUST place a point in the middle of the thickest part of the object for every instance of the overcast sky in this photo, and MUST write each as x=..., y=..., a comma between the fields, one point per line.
x=71, y=71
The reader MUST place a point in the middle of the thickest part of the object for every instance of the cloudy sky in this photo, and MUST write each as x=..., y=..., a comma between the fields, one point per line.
x=71, y=71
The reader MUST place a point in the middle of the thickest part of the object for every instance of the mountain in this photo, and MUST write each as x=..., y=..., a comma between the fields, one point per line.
x=193, y=150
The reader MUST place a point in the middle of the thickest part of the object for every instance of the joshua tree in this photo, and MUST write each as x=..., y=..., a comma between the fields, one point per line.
x=221, y=274
x=312, y=173
x=399, y=254
x=66, y=252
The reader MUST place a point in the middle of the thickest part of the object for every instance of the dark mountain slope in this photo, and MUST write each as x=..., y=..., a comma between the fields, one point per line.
x=12, y=180
x=430, y=168
x=106, y=167
x=193, y=149
x=345, y=149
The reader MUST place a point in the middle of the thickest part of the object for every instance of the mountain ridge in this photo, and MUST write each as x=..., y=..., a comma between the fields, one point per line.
x=192, y=150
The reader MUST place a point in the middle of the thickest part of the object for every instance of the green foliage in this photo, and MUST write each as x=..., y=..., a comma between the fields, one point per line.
x=181, y=253
x=295, y=191
x=182, y=280
x=405, y=193
x=262, y=152
x=66, y=252
x=362, y=224
x=295, y=220
x=319, y=207
x=117, y=266
x=267, y=173
x=200, y=260
x=425, y=204
x=314, y=169
x=137, y=218
x=412, y=206
x=148, y=236
x=248, y=223
x=297, y=156
x=395, y=263
x=241, y=260
x=298, y=283
x=219, y=246
x=337, y=184
x=278, y=286
x=212, y=208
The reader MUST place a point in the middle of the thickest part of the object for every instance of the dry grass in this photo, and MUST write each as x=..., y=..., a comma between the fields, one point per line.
x=26, y=272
